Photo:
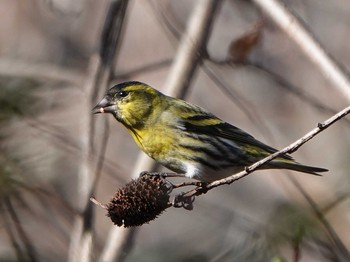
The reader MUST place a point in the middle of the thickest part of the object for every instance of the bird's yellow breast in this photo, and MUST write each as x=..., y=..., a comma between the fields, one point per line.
x=155, y=141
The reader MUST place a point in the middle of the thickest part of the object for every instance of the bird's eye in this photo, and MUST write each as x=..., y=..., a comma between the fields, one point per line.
x=123, y=93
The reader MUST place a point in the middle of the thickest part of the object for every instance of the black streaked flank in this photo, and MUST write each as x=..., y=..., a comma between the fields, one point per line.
x=222, y=159
x=207, y=151
x=222, y=147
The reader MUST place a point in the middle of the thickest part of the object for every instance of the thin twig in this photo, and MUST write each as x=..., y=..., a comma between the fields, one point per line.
x=289, y=149
x=164, y=15
x=192, y=46
x=80, y=243
x=188, y=183
x=100, y=74
x=344, y=196
x=94, y=200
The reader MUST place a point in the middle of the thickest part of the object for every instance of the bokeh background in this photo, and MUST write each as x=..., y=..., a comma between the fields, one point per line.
x=52, y=148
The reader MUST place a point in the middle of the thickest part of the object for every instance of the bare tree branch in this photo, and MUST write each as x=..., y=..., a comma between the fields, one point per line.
x=100, y=74
x=287, y=150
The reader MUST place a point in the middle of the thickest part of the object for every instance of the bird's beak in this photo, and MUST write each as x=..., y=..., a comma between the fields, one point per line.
x=104, y=106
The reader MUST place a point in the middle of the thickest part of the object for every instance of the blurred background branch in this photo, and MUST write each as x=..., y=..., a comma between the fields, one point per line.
x=20, y=68
x=307, y=42
x=98, y=79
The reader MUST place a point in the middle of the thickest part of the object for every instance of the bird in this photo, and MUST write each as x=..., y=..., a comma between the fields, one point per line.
x=186, y=138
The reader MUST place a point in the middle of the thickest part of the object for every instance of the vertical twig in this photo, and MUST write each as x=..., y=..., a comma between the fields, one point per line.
x=99, y=75
x=186, y=61
x=191, y=48
x=79, y=242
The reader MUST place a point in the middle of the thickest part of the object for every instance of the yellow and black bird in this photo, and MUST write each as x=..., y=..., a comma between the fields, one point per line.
x=186, y=138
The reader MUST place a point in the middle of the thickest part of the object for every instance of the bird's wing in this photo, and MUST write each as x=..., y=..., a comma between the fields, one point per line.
x=202, y=122
x=197, y=120
x=228, y=131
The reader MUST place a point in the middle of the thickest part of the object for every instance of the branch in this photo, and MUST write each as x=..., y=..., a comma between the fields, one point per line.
x=294, y=28
x=287, y=150
x=98, y=78
x=192, y=45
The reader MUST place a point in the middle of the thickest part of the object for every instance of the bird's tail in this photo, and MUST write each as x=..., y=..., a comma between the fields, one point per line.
x=286, y=164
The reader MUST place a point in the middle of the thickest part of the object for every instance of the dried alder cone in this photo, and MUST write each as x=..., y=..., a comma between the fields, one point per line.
x=140, y=201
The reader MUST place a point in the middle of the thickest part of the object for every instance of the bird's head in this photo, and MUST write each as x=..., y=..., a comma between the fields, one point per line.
x=131, y=103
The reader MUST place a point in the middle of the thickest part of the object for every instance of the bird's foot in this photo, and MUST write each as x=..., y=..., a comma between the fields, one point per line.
x=181, y=200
